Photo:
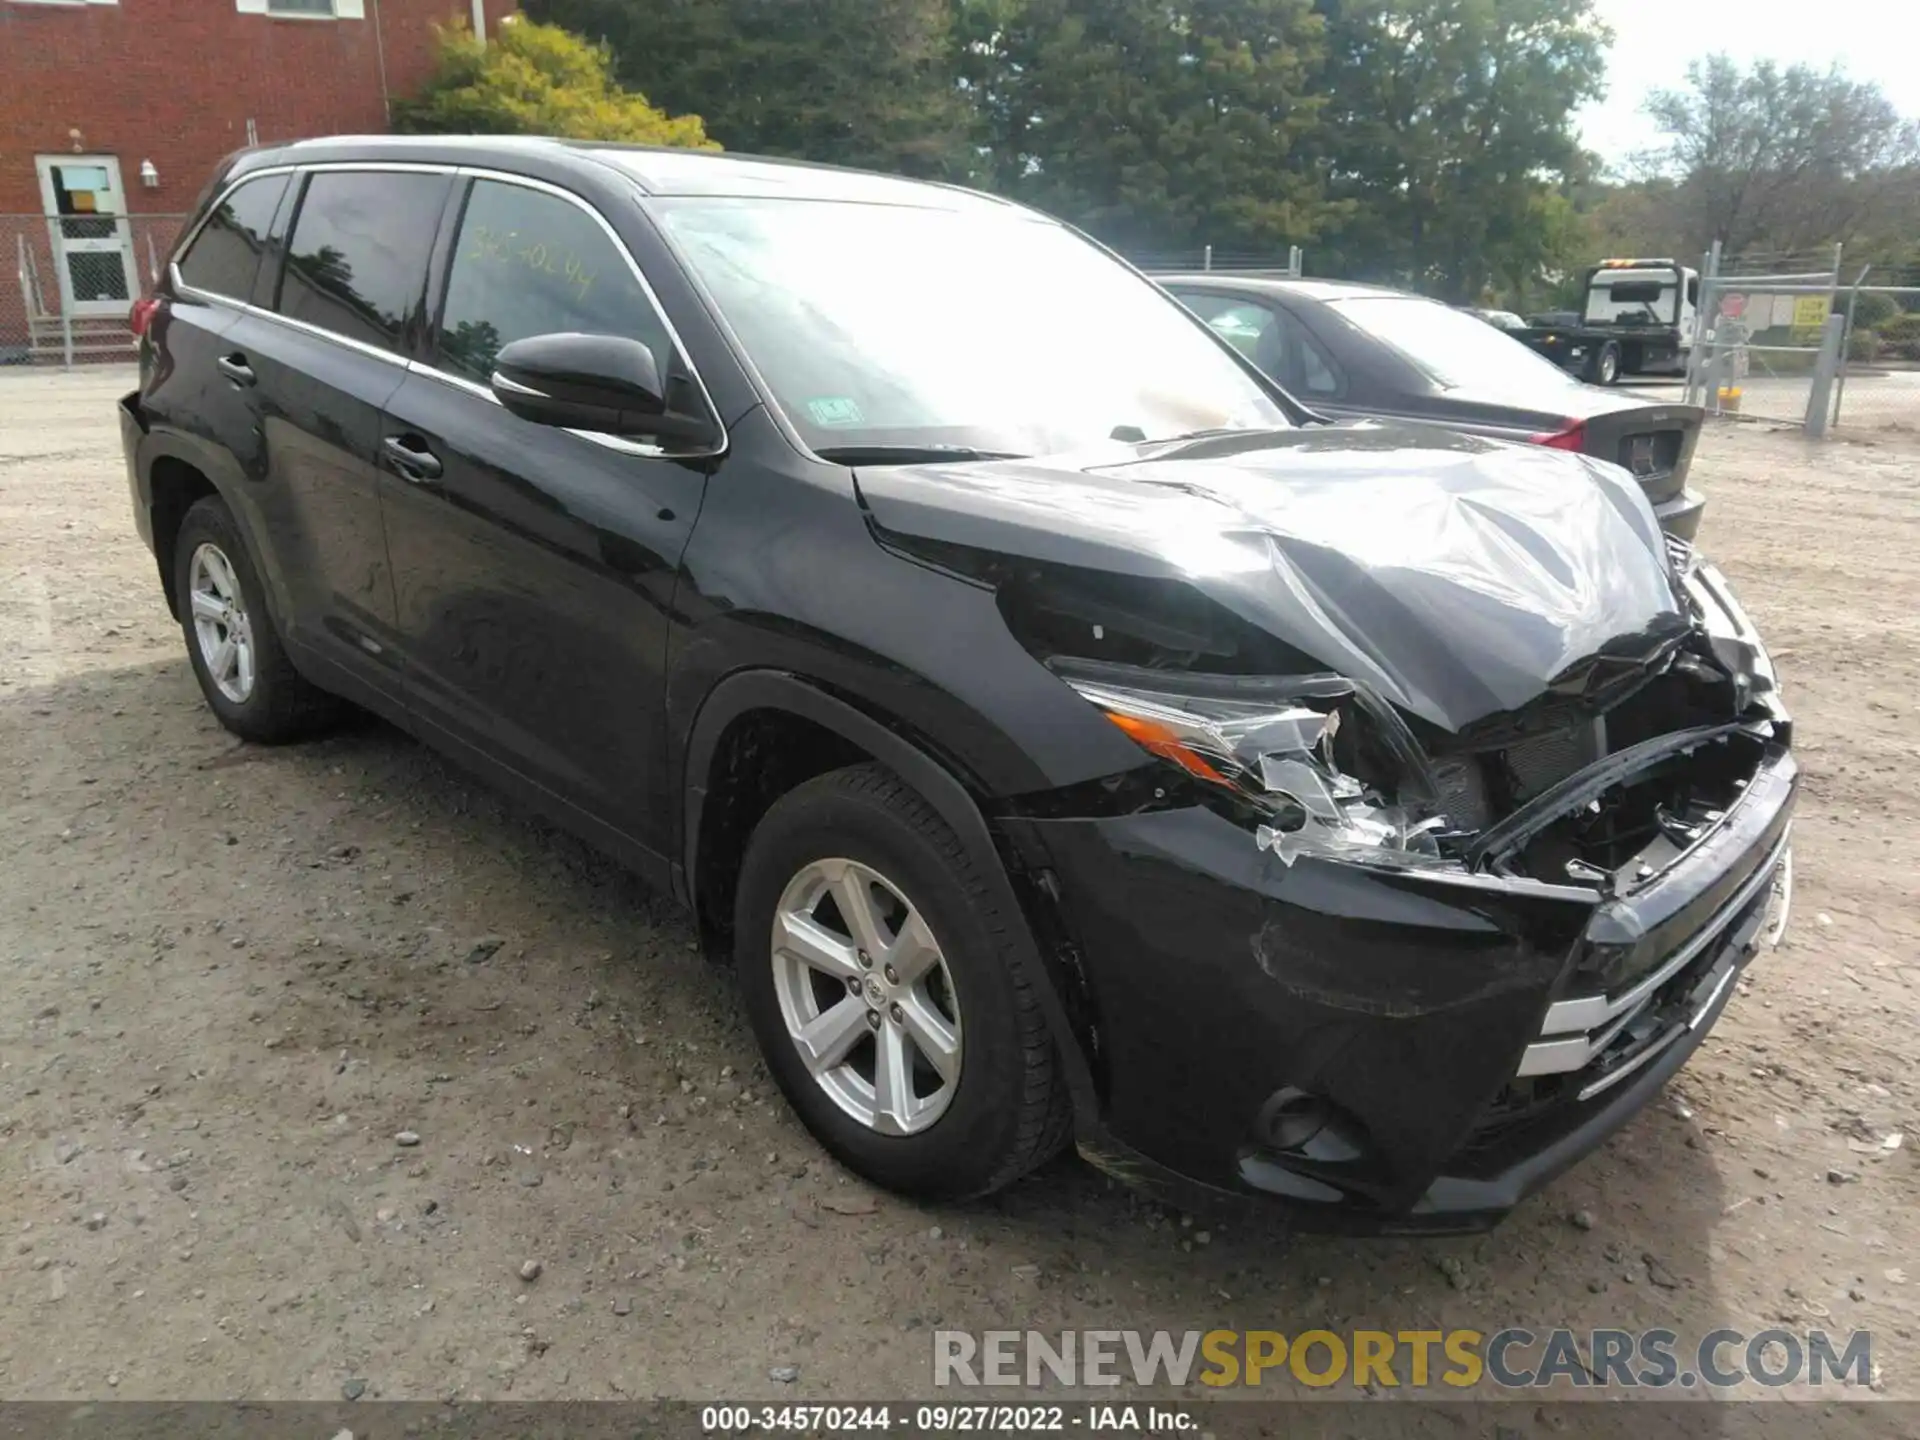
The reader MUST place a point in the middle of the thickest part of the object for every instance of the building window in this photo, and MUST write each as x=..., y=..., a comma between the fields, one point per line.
x=305, y=9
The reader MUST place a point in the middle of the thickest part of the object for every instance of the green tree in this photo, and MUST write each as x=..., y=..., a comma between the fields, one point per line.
x=869, y=83
x=1450, y=137
x=537, y=79
x=1156, y=124
x=1788, y=159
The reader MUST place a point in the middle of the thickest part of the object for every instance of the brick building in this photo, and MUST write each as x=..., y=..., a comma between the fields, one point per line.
x=113, y=114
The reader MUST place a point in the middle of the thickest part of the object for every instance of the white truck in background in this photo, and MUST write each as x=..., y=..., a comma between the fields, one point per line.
x=1637, y=317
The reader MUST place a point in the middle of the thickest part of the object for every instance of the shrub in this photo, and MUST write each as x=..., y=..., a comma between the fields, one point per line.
x=1901, y=327
x=1900, y=337
x=1863, y=345
x=1871, y=311
x=536, y=80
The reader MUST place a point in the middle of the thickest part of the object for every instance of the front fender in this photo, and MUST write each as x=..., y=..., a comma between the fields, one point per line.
x=767, y=689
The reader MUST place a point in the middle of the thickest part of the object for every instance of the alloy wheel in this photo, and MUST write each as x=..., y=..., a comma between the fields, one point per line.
x=220, y=624
x=866, y=996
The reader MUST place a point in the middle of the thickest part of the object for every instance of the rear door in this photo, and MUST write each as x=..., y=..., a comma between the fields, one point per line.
x=534, y=567
x=185, y=391
x=321, y=354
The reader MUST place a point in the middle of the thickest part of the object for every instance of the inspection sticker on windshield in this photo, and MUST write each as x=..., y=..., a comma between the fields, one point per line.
x=834, y=410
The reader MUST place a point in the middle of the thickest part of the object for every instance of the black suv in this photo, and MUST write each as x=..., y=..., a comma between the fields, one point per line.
x=1064, y=731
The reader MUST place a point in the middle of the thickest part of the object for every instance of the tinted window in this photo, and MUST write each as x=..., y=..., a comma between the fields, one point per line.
x=1318, y=375
x=530, y=263
x=1272, y=339
x=1452, y=349
x=357, y=258
x=226, y=253
x=1247, y=327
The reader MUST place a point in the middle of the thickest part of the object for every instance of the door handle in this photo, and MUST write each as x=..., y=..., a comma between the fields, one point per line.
x=236, y=369
x=415, y=463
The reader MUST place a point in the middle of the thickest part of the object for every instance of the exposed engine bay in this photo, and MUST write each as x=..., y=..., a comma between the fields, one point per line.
x=1432, y=653
x=1623, y=764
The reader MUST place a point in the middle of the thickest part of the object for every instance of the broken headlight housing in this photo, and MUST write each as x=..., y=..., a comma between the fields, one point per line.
x=1324, y=767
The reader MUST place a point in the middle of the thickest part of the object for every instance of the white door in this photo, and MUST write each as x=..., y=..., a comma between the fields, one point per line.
x=92, y=242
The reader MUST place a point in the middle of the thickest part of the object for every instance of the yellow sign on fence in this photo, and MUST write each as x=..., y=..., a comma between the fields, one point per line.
x=1809, y=316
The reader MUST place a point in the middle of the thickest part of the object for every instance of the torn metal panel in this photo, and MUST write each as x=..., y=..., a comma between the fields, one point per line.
x=1457, y=577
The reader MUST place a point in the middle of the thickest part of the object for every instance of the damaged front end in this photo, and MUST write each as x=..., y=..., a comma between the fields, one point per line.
x=1471, y=799
x=1619, y=765
x=1660, y=797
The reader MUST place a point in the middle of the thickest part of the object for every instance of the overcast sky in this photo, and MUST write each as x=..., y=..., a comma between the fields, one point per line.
x=1876, y=40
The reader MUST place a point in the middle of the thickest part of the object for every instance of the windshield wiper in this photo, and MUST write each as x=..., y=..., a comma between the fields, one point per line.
x=909, y=454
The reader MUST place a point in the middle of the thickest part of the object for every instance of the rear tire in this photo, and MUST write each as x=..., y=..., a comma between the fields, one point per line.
x=996, y=1106
x=244, y=671
x=1606, y=364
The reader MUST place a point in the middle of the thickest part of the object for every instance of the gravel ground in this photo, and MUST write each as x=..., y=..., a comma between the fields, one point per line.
x=306, y=1053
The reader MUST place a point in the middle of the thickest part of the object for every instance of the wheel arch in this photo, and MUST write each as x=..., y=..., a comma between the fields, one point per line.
x=175, y=487
x=848, y=734
x=853, y=732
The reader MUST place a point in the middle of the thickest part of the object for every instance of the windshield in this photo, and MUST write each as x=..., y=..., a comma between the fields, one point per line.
x=1633, y=297
x=1454, y=349
x=993, y=329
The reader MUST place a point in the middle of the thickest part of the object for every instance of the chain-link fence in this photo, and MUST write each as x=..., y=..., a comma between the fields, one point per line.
x=1272, y=263
x=1761, y=328
x=1879, y=382
x=1761, y=320
x=68, y=281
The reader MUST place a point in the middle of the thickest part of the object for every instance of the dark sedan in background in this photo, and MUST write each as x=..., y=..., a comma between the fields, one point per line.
x=1358, y=350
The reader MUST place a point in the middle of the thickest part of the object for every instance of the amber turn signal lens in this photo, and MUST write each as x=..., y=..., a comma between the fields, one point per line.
x=1162, y=740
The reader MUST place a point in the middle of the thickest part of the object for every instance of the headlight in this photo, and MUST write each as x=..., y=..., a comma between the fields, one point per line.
x=1271, y=744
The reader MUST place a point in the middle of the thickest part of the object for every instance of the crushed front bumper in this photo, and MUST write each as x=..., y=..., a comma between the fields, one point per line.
x=1462, y=1038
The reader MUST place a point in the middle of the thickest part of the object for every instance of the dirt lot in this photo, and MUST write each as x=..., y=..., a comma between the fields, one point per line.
x=235, y=974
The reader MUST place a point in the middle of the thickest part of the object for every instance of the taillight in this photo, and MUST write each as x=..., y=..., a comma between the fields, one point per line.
x=1574, y=437
x=141, y=316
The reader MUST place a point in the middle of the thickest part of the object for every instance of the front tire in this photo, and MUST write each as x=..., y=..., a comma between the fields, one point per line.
x=244, y=671
x=881, y=978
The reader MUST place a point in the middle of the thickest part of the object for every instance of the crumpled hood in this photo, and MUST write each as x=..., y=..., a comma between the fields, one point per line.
x=1457, y=576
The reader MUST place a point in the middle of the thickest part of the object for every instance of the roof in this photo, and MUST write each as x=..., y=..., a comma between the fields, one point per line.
x=1288, y=285
x=656, y=170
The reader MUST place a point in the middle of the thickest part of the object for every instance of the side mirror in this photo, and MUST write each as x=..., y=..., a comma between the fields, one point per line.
x=604, y=383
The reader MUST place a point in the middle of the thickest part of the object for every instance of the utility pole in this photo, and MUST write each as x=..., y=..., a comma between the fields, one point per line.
x=480, y=21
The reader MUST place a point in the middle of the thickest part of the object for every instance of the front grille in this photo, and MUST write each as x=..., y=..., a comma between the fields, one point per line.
x=1542, y=761
x=1462, y=791
x=1592, y=1043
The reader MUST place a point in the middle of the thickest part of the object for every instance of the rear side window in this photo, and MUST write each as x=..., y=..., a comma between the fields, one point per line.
x=357, y=257
x=1249, y=328
x=530, y=263
x=226, y=253
x=1272, y=339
